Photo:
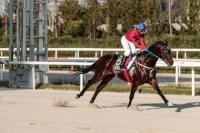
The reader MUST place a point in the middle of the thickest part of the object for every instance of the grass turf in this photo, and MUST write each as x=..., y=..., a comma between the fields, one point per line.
x=166, y=89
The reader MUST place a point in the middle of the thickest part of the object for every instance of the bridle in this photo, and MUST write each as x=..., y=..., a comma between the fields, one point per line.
x=162, y=53
x=151, y=53
x=154, y=55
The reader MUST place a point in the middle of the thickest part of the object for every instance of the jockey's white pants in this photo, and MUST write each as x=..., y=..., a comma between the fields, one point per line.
x=128, y=46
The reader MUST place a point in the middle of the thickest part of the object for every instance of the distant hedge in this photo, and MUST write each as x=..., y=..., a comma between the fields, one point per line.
x=174, y=41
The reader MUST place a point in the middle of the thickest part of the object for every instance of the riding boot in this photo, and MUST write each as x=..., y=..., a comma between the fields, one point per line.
x=124, y=58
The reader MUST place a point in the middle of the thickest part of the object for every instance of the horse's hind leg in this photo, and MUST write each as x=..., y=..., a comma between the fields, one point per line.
x=88, y=84
x=103, y=83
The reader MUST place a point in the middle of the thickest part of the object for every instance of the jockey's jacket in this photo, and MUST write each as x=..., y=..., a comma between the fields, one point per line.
x=134, y=36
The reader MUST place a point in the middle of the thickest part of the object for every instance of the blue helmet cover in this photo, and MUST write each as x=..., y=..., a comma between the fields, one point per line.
x=141, y=26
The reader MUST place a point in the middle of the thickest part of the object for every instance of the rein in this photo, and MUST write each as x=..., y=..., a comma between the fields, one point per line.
x=151, y=53
x=144, y=66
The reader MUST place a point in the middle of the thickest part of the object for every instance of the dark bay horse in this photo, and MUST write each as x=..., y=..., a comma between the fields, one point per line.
x=144, y=71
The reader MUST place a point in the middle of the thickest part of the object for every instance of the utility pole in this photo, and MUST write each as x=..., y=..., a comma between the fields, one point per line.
x=170, y=16
x=6, y=17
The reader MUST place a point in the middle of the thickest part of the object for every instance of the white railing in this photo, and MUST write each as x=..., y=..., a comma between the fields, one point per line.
x=177, y=63
x=99, y=51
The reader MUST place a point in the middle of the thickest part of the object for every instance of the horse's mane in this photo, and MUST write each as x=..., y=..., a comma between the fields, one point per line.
x=157, y=43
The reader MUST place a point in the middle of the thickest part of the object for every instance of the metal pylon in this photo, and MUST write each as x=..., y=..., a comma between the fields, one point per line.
x=31, y=39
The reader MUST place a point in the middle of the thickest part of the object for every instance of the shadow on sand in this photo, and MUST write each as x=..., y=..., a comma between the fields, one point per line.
x=150, y=106
x=181, y=107
x=178, y=107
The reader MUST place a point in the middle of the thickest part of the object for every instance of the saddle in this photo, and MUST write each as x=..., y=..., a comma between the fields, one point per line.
x=127, y=67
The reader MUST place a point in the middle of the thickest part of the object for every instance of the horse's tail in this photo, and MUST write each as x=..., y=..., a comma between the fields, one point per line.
x=83, y=71
x=86, y=70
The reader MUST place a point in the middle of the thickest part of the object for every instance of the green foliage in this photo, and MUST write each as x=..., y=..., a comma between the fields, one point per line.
x=3, y=37
x=92, y=18
x=170, y=89
x=113, y=13
x=82, y=20
x=68, y=41
x=193, y=15
x=189, y=13
x=72, y=14
x=175, y=41
x=80, y=23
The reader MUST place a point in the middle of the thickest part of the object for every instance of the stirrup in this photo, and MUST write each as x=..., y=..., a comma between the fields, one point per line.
x=124, y=67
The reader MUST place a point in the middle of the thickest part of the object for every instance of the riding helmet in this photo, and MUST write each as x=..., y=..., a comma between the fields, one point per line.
x=141, y=26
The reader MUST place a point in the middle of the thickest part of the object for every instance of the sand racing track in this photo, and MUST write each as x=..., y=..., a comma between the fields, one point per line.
x=28, y=111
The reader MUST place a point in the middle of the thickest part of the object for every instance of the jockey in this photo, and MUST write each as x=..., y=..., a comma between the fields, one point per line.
x=131, y=40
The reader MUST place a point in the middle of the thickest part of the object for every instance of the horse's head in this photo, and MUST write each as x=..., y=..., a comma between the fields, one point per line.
x=162, y=50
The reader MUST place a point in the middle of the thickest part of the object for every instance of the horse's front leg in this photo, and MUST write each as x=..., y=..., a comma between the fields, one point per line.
x=154, y=84
x=132, y=93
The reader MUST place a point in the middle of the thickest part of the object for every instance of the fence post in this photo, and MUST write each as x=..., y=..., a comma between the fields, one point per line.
x=101, y=52
x=3, y=67
x=33, y=77
x=96, y=54
x=81, y=82
x=176, y=75
x=185, y=55
x=177, y=54
x=1, y=72
x=77, y=53
x=56, y=54
x=179, y=70
x=193, y=82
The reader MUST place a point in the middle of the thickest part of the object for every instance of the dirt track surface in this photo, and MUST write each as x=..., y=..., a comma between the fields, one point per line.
x=28, y=111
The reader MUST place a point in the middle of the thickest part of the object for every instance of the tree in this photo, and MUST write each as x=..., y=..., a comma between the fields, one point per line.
x=192, y=15
x=128, y=14
x=72, y=13
x=92, y=11
x=113, y=16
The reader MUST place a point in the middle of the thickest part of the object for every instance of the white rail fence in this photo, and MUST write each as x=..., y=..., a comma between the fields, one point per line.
x=178, y=63
x=101, y=51
x=97, y=51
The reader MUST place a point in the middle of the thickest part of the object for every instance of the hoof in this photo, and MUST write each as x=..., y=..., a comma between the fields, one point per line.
x=134, y=107
x=170, y=104
x=77, y=96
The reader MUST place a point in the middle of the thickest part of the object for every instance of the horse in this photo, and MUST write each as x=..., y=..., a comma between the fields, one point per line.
x=142, y=71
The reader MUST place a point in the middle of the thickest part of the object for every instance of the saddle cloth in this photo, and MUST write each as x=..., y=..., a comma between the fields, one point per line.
x=117, y=69
x=127, y=65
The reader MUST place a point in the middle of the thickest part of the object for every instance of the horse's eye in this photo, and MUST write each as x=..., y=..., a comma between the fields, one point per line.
x=166, y=51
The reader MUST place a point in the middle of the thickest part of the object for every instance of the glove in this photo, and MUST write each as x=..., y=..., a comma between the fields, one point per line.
x=137, y=53
x=145, y=49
